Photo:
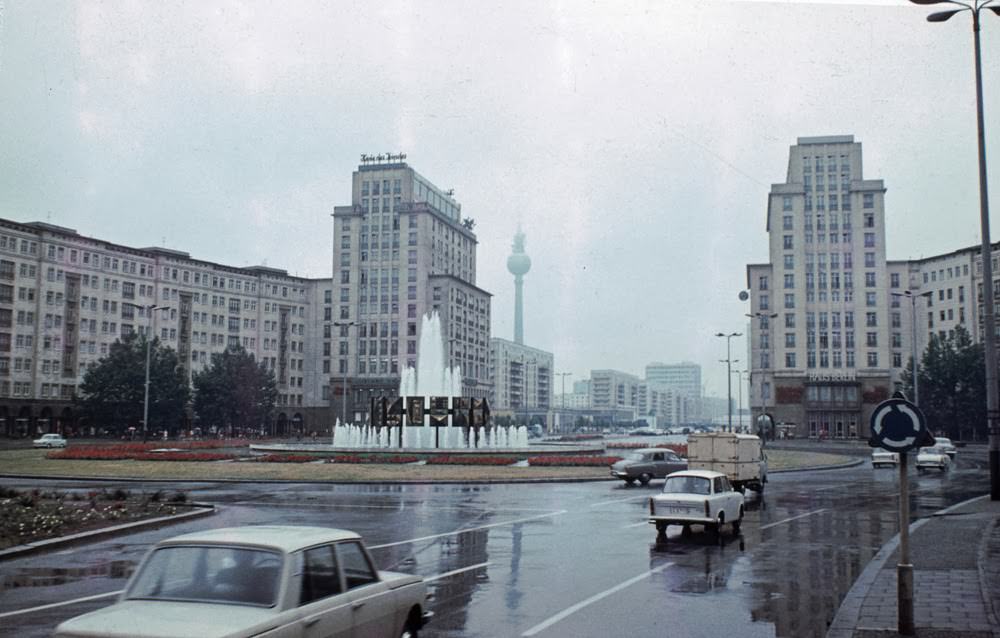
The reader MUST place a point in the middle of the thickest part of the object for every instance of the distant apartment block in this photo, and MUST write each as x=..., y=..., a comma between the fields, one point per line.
x=522, y=377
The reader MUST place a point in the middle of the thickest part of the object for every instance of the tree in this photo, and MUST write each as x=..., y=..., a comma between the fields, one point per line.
x=952, y=388
x=112, y=393
x=235, y=391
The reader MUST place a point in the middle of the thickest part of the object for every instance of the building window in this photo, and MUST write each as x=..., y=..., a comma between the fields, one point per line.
x=872, y=359
x=789, y=281
x=789, y=301
x=787, y=242
x=789, y=359
x=868, y=200
x=762, y=282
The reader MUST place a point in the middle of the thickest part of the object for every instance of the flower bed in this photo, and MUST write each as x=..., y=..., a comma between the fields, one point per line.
x=286, y=458
x=579, y=437
x=135, y=452
x=581, y=461
x=183, y=456
x=26, y=517
x=679, y=448
x=372, y=458
x=472, y=460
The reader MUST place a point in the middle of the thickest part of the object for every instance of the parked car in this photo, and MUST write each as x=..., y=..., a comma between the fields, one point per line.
x=50, y=440
x=274, y=580
x=945, y=444
x=696, y=497
x=882, y=457
x=933, y=458
x=646, y=464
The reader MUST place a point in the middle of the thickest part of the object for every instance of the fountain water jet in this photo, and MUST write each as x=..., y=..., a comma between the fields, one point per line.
x=430, y=378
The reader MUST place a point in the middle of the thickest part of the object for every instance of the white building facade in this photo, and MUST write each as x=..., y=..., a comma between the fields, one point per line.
x=521, y=377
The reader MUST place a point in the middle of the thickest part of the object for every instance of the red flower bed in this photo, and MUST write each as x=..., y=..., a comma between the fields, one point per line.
x=679, y=448
x=183, y=456
x=370, y=458
x=580, y=437
x=472, y=460
x=128, y=452
x=286, y=458
x=591, y=461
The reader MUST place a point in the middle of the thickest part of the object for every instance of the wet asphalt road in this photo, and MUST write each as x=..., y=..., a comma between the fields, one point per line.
x=572, y=559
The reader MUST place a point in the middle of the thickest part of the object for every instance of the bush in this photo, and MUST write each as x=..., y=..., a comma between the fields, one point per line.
x=179, y=497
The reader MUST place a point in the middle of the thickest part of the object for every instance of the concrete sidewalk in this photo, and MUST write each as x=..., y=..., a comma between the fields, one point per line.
x=956, y=578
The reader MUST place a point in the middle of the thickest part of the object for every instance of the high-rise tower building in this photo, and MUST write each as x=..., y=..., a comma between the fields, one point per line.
x=518, y=264
x=822, y=339
x=402, y=250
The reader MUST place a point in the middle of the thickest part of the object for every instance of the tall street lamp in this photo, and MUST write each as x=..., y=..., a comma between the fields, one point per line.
x=913, y=338
x=765, y=319
x=739, y=401
x=989, y=321
x=145, y=401
x=729, y=374
x=343, y=392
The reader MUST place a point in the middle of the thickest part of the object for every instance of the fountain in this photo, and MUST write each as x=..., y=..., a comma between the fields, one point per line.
x=431, y=378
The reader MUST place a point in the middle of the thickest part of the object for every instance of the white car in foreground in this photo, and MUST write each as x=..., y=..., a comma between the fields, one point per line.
x=274, y=581
x=882, y=457
x=49, y=440
x=696, y=497
x=933, y=458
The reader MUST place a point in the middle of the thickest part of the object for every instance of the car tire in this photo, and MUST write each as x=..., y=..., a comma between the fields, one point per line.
x=716, y=527
x=645, y=478
x=738, y=522
x=629, y=482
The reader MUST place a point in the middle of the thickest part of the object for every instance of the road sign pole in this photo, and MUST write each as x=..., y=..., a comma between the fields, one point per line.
x=904, y=570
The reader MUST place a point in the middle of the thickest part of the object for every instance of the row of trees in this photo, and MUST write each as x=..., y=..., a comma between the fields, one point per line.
x=951, y=385
x=233, y=392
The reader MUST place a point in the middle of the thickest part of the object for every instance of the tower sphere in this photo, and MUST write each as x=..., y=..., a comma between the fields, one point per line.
x=518, y=264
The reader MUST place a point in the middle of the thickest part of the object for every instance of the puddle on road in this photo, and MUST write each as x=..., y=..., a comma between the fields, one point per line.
x=52, y=576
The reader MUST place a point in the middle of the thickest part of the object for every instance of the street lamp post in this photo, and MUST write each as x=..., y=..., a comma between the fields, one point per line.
x=563, y=375
x=989, y=321
x=729, y=374
x=913, y=338
x=739, y=401
x=145, y=401
x=343, y=391
x=765, y=319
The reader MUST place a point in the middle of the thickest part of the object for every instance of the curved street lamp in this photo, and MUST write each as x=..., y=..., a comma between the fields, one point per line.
x=989, y=321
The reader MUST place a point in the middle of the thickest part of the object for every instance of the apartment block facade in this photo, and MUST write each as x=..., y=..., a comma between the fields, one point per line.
x=521, y=376
x=65, y=298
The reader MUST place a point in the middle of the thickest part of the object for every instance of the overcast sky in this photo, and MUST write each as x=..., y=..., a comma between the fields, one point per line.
x=634, y=142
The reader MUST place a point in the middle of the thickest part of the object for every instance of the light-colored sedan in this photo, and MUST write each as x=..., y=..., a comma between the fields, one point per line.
x=945, y=444
x=274, y=581
x=50, y=440
x=647, y=464
x=882, y=457
x=933, y=458
x=696, y=497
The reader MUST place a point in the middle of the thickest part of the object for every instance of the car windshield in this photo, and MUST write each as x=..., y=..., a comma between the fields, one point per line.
x=209, y=574
x=687, y=485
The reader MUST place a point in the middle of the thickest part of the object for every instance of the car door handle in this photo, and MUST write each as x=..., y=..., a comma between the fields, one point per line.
x=309, y=622
x=358, y=604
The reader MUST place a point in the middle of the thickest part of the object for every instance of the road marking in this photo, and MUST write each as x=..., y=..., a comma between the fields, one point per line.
x=618, y=500
x=429, y=579
x=63, y=603
x=593, y=599
x=636, y=524
x=763, y=527
x=465, y=530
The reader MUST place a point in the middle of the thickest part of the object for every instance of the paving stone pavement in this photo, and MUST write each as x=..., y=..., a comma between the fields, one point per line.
x=956, y=579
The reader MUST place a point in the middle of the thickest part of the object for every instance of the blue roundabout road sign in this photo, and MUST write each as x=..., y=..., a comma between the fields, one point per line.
x=899, y=426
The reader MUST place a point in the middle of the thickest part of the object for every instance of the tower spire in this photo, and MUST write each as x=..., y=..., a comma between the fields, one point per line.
x=518, y=264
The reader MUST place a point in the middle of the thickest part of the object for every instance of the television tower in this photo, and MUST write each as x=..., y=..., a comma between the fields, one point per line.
x=518, y=264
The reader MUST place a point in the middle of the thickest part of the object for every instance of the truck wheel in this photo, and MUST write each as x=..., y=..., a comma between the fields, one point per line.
x=645, y=478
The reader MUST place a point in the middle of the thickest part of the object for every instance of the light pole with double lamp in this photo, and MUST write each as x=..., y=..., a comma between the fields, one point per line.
x=343, y=391
x=989, y=321
x=145, y=401
x=729, y=374
x=913, y=338
x=765, y=319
